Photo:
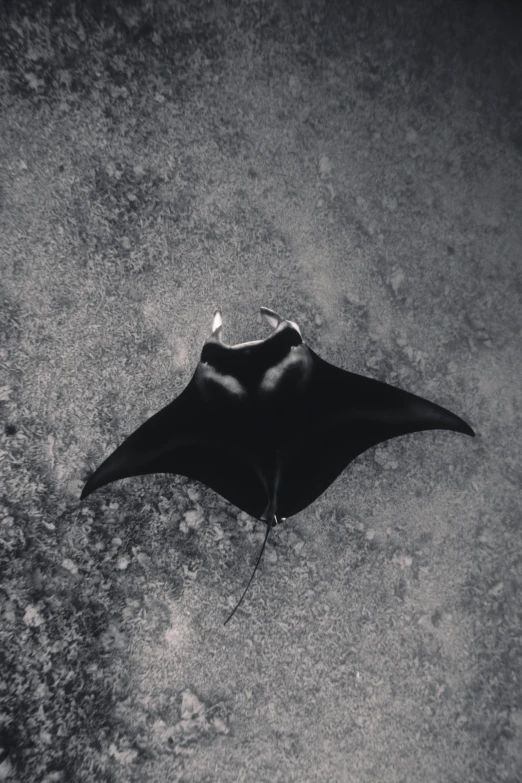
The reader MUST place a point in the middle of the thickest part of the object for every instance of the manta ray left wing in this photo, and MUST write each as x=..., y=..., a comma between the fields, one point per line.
x=216, y=430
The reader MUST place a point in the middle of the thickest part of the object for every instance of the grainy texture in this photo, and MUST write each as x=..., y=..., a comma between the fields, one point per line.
x=357, y=167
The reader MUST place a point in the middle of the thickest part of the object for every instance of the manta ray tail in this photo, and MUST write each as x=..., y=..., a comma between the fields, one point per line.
x=268, y=528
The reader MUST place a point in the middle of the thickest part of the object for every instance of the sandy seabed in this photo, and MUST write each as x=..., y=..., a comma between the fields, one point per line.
x=357, y=169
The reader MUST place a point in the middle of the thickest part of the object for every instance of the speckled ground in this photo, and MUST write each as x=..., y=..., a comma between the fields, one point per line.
x=359, y=171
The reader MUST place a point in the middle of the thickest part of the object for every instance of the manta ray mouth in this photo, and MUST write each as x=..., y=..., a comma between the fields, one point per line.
x=273, y=318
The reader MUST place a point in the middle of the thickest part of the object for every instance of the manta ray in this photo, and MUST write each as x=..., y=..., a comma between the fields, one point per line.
x=269, y=425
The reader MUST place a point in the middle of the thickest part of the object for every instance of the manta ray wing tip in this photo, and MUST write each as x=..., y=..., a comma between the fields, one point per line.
x=459, y=425
x=91, y=485
x=85, y=492
x=444, y=419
